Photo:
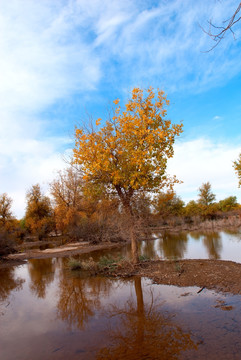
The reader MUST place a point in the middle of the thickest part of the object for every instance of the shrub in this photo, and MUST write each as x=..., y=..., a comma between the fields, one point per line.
x=6, y=243
x=74, y=264
x=82, y=264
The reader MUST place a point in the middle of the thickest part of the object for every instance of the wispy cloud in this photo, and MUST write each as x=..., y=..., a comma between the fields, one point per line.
x=51, y=51
x=41, y=62
x=164, y=43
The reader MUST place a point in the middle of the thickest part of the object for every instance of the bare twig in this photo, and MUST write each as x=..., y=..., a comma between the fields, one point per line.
x=218, y=36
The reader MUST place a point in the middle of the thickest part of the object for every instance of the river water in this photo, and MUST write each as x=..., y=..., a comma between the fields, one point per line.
x=49, y=312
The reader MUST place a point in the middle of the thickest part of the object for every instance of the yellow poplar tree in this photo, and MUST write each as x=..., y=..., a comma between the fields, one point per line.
x=67, y=194
x=129, y=153
x=5, y=209
x=38, y=216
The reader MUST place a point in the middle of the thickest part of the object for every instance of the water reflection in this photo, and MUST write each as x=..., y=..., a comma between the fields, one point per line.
x=148, y=249
x=235, y=234
x=41, y=272
x=213, y=243
x=144, y=332
x=100, y=318
x=8, y=283
x=79, y=298
x=173, y=245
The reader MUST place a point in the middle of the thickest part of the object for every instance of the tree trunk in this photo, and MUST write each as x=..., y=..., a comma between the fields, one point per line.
x=125, y=198
x=134, y=245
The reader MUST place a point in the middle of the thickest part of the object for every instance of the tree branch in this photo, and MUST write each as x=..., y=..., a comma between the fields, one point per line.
x=218, y=36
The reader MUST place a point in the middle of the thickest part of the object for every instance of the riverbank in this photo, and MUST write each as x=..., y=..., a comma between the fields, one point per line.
x=70, y=249
x=218, y=275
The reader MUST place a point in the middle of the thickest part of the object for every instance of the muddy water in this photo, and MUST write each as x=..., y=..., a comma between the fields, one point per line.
x=49, y=312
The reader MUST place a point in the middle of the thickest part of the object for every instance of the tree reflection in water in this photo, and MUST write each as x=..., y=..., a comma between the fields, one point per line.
x=173, y=246
x=8, y=283
x=79, y=298
x=235, y=234
x=41, y=272
x=213, y=243
x=144, y=333
x=148, y=249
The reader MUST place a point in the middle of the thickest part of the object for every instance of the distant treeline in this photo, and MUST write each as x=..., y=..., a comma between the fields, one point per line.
x=77, y=214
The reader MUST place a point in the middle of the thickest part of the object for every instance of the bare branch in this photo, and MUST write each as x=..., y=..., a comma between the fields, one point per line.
x=218, y=36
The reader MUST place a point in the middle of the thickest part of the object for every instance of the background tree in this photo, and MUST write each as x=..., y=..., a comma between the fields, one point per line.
x=228, y=204
x=39, y=214
x=67, y=195
x=237, y=168
x=168, y=204
x=80, y=214
x=9, y=226
x=205, y=196
x=192, y=208
x=129, y=154
x=5, y=209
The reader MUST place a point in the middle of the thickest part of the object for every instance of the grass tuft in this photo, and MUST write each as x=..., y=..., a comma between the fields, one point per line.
x=74, y=264
x=143, y=258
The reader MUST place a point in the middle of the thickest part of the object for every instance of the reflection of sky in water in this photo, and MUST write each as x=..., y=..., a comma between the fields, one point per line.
x=199, y=245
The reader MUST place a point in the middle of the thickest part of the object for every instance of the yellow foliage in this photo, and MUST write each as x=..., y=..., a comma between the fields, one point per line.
x=38, y=217
x=130, y=152
x=98, y=122
x=237, y=168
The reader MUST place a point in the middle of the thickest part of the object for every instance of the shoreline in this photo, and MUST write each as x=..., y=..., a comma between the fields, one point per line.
x=219, y=275
x=70, y=249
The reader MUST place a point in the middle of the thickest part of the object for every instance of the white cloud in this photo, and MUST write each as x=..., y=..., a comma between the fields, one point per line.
x=52, y=50
x=28, y=162
x=41, y=62
x=164, y=43
x=201, y=160
x=40, y=59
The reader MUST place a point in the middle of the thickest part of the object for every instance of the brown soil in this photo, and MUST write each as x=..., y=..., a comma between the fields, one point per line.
x=224, y=276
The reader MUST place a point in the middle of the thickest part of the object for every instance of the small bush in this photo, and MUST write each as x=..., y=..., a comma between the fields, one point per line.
x=110, y=262
x=82, y=265
x=106, y=264
x=74, y=264
x=89, y=264
x=107, y=261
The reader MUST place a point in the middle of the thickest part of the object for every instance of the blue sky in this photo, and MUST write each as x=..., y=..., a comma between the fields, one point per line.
x=62, y=60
